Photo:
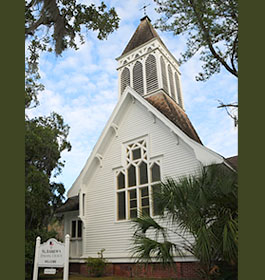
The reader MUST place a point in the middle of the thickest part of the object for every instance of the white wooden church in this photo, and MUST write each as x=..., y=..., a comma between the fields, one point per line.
x=148, y=137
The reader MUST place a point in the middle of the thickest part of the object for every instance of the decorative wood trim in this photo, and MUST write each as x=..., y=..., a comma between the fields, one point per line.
x=176, y=136
x=115, y=128
x=153, y=116
x=100, y=158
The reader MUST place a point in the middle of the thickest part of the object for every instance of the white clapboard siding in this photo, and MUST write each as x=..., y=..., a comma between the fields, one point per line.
x=101, y=228
x=76, y=245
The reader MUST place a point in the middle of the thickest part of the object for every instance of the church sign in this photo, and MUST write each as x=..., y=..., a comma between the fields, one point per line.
x=51, y=254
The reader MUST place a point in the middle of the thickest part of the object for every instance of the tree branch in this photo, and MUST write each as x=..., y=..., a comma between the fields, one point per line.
x=233, y=53
x=226, y=106
x=209, y=41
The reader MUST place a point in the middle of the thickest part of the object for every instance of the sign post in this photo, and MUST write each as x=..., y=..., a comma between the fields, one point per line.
x=35, y=271
x=66, y=263
x=51, y=254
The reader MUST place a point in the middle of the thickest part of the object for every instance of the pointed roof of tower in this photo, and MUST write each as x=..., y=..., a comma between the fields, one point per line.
x=144, y=32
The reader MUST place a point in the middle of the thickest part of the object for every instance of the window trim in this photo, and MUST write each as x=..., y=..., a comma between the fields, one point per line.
x=76, y=229
x=128, y=160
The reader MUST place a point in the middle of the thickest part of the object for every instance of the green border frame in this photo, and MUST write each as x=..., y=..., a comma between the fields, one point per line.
x=12, y=140
x=251, y=140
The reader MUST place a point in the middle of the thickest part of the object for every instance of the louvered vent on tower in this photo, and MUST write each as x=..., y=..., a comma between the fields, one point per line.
x=164, y=74
x=125, y=79
x=138, y=82
x=180, y=102
x=151, y=73
x=171, y=83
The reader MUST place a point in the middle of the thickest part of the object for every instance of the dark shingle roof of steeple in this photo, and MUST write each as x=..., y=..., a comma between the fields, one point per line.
x=163, y=103
x=144, y=32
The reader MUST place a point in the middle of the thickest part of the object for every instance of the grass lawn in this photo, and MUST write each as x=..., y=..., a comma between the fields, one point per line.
x=79, y=277
x=59, y=276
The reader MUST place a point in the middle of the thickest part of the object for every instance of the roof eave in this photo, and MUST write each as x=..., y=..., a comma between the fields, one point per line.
x=200, y=150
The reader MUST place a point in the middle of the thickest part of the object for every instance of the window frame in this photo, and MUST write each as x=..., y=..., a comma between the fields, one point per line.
x=77, y=221
x=128, y=148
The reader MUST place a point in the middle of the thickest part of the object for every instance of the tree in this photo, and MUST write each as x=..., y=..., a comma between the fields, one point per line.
x=56, y=25
x=45, y=140
x=211, y=27
x=53, y=26
x=204, y=206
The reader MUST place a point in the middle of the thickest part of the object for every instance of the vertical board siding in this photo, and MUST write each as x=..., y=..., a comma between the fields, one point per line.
x=151, y=73
x=164, y=74
x=101, y=228
x=125, y=79
x=171, y=83
x=138, y=81
x=180, y=101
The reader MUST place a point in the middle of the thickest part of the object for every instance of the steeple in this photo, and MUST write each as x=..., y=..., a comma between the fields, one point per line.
x=144, y=32
x=147, y=65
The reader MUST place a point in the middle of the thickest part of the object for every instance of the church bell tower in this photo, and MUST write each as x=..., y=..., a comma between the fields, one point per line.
x=147, y=65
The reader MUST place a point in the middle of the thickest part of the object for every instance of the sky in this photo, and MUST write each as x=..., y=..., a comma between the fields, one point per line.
x=82, y=86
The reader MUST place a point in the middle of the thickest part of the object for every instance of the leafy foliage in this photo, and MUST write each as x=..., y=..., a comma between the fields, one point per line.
x=212, y=30
x=45, y=139
x=54, y=26
x=66, y=18
x=44, y=142
x=51, y=26
x=211, y=27
x=96, y=266
x=204, y=206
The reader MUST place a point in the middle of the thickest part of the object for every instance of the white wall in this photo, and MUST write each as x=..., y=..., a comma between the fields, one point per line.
x=76, y=245
x=101, y=228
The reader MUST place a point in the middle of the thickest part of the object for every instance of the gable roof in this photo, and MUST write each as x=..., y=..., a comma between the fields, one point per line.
x=71, y=204
x=144, y=32
x=233, y=161
x=202, y=153
x=163, y=103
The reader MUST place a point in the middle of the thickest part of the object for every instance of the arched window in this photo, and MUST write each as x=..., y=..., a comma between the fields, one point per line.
x=178, y=89
x=125, y=79
x=164, y=74
x=137, y=182
x=171, y=83
x=138, y=82
x=151, y=73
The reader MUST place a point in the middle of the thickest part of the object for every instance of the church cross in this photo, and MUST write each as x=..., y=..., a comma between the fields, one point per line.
x=144, y=8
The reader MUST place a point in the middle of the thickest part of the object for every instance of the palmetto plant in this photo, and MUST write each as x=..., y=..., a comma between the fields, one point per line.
x=204, y=206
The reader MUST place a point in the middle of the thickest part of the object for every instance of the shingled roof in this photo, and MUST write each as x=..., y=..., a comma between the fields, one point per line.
x=233, y=161
x=71, y=204
x=168, y=107
x=144, y=32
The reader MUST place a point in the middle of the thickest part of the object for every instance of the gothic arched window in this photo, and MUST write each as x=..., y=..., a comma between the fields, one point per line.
x=164, y=74
x=138, y=82
x=125, y=79
x=137, y=182
x=171, y=83
x=151, y=73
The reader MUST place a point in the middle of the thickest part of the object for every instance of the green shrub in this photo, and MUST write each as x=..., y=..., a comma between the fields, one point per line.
x=96, y=266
